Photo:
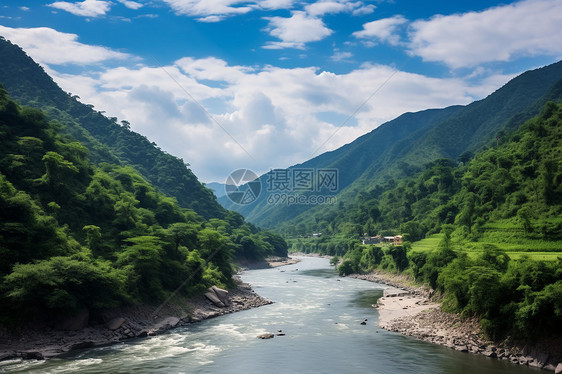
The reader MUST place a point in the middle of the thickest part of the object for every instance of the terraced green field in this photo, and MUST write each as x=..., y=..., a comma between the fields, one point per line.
x=514, y=245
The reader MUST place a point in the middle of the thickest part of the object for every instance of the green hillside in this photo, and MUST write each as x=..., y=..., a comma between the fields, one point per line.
x=351, y=160
x=108, y=141
x=402, y=147
x=514, y=187
x=486, y=233
x=78, y=235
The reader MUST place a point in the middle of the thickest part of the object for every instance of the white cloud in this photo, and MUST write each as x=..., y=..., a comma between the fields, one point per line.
x=218, y=10
x=211, y=19
x=279, y=116
x=320, y=8
x=131, y=4
x=283, y=45
x=383, y=30
x=206, y=8
x=363, y=10
x=503, y=33
x=339, y=56
x=86, y=8
x=150, y=15
x=212, y=69
x=49, y=46
x=296, y=30
x=275, y=4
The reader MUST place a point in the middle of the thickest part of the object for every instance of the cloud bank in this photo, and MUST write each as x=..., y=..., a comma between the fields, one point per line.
x=522, y=29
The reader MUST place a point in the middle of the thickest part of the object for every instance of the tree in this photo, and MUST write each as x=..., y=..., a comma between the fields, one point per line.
x=63, y=285
x=183, y=234
x=465, y=216
x=218, y=249
x=347, y=267
x=56, y=168
x=445, y=242
x=93, y=236
x=398, y=254
x=412, y=231
x=144, y=257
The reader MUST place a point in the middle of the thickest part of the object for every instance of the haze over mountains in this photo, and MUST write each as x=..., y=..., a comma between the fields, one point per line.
x=402, y=146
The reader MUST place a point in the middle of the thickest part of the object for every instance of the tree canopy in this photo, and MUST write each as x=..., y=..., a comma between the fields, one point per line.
x=74, y=234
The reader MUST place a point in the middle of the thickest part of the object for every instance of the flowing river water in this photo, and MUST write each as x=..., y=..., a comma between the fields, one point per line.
x=320, y=314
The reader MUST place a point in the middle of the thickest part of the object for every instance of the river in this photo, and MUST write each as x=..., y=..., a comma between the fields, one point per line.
x=320, y=314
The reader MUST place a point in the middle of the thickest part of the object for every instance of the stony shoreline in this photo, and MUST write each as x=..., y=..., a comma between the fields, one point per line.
x=43, y=342
x=409, y=310
x=269, y=262
x=124, y=323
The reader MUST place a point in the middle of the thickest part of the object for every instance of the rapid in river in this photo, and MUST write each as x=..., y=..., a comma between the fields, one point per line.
x=320, y=315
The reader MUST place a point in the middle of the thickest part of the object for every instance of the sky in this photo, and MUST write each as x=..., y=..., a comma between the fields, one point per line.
x=265, y=84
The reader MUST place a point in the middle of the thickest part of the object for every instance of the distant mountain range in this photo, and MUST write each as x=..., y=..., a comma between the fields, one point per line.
x=218, y=188
x=395, y=149
x=400, y=147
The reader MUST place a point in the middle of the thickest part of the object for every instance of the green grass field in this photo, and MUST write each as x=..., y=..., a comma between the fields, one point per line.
x=538, y=256
x=508, y=239
x=428, y=244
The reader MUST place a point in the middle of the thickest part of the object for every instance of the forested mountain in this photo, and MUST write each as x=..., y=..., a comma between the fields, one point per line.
x=516, y=181
x=498, y=254
x=108, y=141
x=86, y=224
x=77, y=235
x=402, y=147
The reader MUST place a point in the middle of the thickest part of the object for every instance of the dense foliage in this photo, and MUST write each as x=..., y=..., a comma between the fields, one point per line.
x=517, y=182
x=107, y=140
x=481, y=205
x=74, y=234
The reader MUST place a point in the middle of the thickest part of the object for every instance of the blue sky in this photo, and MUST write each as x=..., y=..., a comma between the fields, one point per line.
x=261, y=84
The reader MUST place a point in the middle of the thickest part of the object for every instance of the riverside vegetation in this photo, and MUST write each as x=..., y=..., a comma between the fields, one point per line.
x=485, y=231
x=94, y=215
x=77, y=235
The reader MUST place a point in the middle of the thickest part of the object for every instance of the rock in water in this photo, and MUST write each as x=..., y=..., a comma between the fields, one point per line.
x=266, y=336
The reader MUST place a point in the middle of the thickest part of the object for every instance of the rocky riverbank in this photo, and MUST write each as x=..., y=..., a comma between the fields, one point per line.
x=268, y=262
x=40, y=342
x=409, y=310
